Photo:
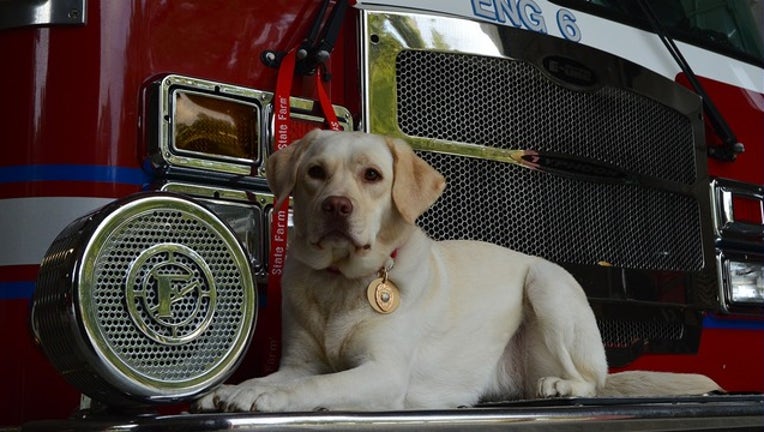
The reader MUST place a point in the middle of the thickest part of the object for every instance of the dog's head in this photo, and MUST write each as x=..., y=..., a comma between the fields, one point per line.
x=356, y=197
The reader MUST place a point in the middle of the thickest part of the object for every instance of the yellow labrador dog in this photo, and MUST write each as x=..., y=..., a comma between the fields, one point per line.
x=378, y=316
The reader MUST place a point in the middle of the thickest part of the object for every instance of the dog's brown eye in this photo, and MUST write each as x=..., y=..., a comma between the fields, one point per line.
x=316, y=172
x=372, y=175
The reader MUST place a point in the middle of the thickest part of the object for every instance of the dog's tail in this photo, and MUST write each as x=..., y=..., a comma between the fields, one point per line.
x=640, y=383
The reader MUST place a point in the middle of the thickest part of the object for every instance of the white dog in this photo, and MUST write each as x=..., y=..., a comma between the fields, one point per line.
x=378, y=316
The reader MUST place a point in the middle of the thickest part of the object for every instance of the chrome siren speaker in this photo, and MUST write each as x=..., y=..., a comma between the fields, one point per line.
x=149, y=299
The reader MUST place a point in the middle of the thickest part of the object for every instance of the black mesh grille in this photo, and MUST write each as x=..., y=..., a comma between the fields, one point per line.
x=622, y=334
x=512, y=104
x=562, y=219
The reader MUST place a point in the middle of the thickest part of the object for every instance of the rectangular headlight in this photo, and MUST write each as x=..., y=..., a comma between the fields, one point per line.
x=214, y=126
x=745, y=281
x=207, y=126
x=202, y=126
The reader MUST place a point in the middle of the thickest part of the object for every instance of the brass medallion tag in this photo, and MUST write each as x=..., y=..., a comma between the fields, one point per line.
x=383, y=295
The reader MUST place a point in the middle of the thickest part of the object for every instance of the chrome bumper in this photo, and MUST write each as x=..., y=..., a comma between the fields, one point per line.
x=727, y=412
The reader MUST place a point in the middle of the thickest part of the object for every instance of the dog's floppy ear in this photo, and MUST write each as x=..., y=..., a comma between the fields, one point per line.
x=416, y=185
x=281, y=168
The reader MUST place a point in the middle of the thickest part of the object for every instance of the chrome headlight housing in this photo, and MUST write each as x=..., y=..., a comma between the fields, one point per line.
x=199, y=126
x=739, y=229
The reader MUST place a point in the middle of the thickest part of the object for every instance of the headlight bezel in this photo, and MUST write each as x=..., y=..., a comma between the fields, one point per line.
x=162, y=119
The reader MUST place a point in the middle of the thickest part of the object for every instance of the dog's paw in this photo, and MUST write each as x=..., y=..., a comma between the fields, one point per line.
x=271, y=401
x=557, y=387
x=553, y=387
x=205, y=404
x=214, y=401
x=234, y=398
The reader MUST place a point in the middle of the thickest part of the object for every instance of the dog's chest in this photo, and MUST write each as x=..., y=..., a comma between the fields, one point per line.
x=341, y=342
x=336, y=319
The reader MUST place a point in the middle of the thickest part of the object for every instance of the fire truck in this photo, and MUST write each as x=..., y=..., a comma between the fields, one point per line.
x=622, y=140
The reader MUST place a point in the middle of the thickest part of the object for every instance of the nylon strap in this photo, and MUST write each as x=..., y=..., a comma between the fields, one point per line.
x=271, y=313
x=326, y=104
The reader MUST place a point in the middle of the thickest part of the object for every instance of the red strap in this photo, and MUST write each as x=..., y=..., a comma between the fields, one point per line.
x=326, y=103
x=282, y=139
x=281, y=100
x=271, y=314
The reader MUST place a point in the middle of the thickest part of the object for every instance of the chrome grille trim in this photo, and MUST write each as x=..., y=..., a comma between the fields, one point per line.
x=469, y=95
x=726, y=225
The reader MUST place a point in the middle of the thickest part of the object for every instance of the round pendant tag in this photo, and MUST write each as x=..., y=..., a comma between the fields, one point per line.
x=383, y=296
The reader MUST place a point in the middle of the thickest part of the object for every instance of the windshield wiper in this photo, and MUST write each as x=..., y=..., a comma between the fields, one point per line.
x=730, y=147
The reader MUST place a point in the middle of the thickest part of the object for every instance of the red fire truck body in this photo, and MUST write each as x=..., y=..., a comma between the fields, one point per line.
x=77, y=128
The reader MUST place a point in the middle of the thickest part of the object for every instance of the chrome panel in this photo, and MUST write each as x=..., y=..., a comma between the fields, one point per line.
x=723, y=192
x=24, y=13
x=244, y=211
x=218, y=193
x=261, y=203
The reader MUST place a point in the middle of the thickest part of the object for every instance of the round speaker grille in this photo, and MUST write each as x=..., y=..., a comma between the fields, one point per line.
x=150, y=299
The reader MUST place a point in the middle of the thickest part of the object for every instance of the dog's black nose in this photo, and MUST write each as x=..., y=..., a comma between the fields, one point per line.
x=337, y=206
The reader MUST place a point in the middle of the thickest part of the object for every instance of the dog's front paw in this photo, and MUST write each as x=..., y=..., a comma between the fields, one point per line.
x=214, y=401
x=558, y=387
x=553, y=387
x=230, y=398
x=271, y=401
